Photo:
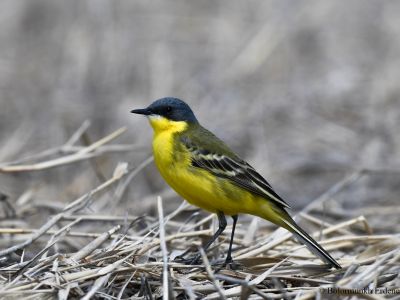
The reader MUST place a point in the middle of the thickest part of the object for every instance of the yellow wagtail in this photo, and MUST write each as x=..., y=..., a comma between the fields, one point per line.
x=203, y=170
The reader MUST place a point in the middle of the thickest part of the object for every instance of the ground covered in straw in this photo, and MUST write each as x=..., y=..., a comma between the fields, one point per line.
x=80, y=251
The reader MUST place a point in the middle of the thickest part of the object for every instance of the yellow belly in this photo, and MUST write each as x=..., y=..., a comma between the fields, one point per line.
x=198, y=186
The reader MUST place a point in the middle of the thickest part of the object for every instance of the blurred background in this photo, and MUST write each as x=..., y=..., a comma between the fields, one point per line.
x=306, y=91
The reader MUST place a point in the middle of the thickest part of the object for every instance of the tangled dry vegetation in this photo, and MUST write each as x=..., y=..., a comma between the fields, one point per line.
x=134, y=256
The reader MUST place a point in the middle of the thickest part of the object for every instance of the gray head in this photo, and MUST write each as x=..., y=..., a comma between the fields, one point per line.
x=170, y=108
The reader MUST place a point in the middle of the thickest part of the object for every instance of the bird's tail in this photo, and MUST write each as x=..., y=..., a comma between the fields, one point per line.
x=307, y=240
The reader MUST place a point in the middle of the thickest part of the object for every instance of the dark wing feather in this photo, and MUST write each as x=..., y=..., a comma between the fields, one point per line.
x=234, y=169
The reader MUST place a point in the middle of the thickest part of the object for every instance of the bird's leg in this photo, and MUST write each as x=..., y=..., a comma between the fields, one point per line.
x=228, y=259
x=221, y=228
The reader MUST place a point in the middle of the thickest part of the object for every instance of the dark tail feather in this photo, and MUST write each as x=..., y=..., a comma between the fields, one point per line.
x=311, y=244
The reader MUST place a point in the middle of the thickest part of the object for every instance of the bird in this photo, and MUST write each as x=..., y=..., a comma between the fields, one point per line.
x=208, y=174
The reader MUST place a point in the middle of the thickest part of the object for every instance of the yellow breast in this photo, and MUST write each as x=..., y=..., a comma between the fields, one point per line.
x=197, y=186
x=174, y=163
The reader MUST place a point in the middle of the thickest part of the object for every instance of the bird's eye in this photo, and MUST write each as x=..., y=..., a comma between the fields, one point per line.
x=169, y=108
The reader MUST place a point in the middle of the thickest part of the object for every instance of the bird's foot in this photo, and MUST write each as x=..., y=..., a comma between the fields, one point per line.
x=194, y=260
x=231, y=264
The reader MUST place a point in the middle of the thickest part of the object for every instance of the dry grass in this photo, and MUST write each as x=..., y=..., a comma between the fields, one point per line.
x=133, y=256
x=306, y=91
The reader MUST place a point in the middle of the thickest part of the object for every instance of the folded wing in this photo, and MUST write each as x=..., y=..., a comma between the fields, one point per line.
x=234, y=169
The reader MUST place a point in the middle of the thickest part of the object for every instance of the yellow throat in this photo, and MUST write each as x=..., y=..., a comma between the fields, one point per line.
x=163, y=125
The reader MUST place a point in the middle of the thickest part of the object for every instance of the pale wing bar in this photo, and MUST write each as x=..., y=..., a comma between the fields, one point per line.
x=239, y=172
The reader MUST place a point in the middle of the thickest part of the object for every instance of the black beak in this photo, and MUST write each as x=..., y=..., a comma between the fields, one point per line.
x=144, y=111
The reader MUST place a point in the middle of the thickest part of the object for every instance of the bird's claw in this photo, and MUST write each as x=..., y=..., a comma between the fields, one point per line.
x=188, y=261
x=229, y=263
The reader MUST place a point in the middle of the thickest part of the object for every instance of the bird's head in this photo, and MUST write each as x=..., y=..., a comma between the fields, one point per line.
x=168, y=114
